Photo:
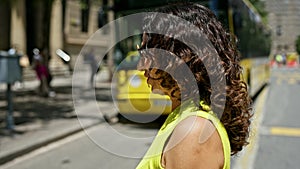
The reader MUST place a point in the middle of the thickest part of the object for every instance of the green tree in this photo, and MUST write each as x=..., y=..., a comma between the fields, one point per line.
x=298, y=45
x=261, y=9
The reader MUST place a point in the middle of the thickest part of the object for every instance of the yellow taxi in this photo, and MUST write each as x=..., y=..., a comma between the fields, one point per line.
x=133, y=95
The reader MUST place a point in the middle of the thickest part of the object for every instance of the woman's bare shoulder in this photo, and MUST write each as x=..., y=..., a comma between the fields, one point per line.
x=194, y=143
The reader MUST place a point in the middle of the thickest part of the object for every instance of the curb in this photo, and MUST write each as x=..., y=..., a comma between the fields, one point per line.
x=9, y=155
x=248, y=154
x=12, y=155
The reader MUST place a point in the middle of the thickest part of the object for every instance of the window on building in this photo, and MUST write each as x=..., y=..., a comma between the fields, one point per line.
x=85, y=8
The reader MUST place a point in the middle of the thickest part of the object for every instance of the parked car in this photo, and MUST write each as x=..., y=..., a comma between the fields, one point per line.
x=134, y=98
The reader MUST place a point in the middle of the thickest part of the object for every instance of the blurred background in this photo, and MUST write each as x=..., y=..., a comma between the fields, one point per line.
x=43, y=41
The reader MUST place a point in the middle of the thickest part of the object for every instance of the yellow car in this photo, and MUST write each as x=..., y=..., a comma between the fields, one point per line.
x=292, y=60
x=133, y=95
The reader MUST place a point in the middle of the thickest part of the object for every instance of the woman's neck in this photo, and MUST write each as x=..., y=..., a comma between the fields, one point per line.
x=175, y=103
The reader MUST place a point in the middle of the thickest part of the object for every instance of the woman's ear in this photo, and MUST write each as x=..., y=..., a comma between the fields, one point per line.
x=144, y=38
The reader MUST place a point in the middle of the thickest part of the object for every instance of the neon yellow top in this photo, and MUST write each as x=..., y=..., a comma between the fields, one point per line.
x=152, y=159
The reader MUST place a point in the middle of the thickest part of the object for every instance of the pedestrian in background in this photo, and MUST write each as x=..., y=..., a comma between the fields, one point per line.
x=199, y=133
x=47, y=57
x=41, y=72
x=89, y=58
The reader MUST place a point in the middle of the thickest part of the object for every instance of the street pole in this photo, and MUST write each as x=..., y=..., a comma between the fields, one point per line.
x=9, y=115
x=112, y=35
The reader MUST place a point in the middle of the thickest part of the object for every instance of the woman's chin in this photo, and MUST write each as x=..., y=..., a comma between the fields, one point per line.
x=157, y=91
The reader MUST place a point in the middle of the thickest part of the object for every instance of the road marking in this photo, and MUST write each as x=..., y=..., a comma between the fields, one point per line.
x=292, y=81
x=288, y=80
x=279, y=81
x=246, y=158
x=285, y=131
x=285, y=75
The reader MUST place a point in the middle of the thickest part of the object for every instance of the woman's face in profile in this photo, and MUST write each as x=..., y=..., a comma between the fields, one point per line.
x=154, y=76
x=154, y=79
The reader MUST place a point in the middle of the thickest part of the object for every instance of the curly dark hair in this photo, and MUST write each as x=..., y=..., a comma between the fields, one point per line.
x=237, y=111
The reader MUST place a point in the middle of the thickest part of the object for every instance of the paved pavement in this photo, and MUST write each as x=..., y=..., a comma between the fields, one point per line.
x=40, y=120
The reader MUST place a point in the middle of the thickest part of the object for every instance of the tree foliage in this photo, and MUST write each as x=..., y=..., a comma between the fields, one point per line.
x=261, y=9
x=298, y=45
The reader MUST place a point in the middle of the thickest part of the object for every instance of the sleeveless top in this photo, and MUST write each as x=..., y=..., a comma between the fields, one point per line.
x=152, y=159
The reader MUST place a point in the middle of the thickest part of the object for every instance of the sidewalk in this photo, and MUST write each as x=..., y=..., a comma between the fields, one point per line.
x=40, y=121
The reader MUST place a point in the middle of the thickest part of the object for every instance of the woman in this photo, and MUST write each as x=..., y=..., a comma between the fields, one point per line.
x=41, y=72
x=207, y=124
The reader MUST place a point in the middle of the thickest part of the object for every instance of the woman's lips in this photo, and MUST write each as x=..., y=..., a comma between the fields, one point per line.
x=148, y=80
x=146, y=74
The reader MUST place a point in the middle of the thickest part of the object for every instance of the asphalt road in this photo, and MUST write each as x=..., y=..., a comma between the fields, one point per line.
x=275, y=133
x=279, y=142
x=96, y=148
x=274, y=139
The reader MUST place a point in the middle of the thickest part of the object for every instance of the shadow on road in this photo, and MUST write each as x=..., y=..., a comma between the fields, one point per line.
x=29, y=107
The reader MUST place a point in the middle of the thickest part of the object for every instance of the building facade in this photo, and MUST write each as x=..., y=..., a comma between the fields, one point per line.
x=285, y=23
x=52, y=24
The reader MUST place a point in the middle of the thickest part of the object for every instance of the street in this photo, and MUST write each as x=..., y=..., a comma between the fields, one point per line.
x=279, y=141
x=274, y=139
x=69, y=67
x=80, y=151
